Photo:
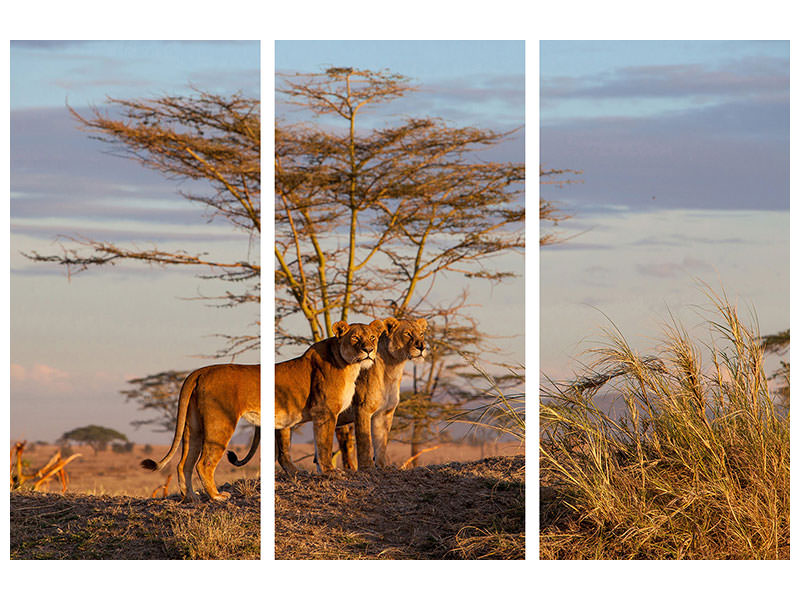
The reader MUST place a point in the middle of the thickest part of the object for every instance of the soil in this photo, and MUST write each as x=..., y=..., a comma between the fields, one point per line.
x=449, y=511
x=80, y=526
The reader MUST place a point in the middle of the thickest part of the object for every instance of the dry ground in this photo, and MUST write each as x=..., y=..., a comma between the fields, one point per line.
x=447, y=511
x=82, y=526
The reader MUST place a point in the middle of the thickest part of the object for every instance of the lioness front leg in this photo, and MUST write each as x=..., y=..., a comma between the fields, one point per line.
x=381, y=425
x=363, y=423
x=324, y=425
x=347, y=447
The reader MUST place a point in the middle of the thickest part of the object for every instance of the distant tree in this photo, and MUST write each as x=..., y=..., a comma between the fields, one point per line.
x=157, y=394
x=94, y=435
x=550, y=212
x=122, y=448
x=372, y=221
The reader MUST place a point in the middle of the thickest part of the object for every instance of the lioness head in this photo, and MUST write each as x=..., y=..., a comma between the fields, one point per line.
x=406, y=337
x=358, y=342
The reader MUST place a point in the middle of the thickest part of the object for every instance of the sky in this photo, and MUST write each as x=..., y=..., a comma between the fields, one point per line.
x=76, y=341
x=684, y=153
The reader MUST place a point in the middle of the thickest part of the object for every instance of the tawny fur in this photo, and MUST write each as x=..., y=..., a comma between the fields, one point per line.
x=210, y=404
x=319, y=385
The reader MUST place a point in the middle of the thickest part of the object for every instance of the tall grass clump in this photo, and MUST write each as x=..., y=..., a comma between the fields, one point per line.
x=697, y=467
x=497, y=409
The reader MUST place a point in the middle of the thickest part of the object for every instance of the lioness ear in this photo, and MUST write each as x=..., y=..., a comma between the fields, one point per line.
x=378, y=326
x=422, y=324
x=340, y=328
x=391, y=324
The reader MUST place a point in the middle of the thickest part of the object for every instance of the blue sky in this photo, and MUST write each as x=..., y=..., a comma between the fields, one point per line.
x=75, y=342
x=684, y=148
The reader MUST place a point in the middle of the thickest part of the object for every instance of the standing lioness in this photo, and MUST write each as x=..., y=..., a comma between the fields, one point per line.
x=319, y=385
x=211, y=402
x=377, y=392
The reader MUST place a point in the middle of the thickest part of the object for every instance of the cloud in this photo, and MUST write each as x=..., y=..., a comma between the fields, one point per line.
x=728, y=156
x=674, y=136
x=63, y=183
x=40, y=377
x=746, y=77
x=670, y=270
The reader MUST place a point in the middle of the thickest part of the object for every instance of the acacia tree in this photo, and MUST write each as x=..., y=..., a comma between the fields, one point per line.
x=95, y=436
x=378, y=221
x=204, y=138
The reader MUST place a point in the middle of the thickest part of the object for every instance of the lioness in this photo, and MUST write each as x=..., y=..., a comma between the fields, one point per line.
x=378, y=389
x=211, y=401
x=319, y=385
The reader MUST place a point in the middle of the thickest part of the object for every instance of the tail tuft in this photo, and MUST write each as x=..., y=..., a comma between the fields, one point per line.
x=233, y=459
x=149, y=464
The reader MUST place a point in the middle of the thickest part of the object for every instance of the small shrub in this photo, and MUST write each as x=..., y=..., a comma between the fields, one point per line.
x=123, y=448
x=216, y=534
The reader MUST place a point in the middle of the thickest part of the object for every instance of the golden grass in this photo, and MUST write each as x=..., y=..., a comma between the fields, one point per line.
x=698, y=467
x=214, y=534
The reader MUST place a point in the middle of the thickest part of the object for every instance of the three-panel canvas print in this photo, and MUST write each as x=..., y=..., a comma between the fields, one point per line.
x=418, y=318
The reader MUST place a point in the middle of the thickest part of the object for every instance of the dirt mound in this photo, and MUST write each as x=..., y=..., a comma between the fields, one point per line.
x=80, y=526
x=455, y=510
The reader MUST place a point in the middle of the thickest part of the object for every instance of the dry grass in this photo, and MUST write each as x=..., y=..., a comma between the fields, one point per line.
x=81, y=526
x=450, y=511
x=697, y=469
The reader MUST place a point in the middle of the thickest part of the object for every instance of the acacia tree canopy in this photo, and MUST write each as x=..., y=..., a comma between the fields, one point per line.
x=381, y=221
x=365, y=218
x=210, y=139
x=96, y=436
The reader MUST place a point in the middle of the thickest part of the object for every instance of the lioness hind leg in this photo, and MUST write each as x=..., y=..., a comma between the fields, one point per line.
x=192, y=445
x=209, y=459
